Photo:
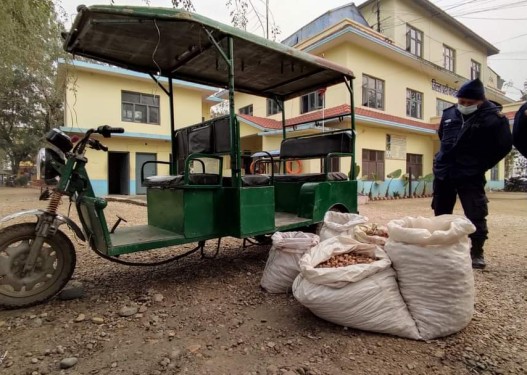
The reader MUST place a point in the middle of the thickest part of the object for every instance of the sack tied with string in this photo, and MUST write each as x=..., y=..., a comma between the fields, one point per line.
x=282, y=264
x=432, y=259
x=361, y=296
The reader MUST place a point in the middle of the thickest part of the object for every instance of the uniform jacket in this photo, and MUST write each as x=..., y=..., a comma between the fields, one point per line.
x=471, y=145
x=519, y=131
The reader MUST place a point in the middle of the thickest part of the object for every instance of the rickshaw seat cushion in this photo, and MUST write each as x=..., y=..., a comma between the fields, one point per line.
x=209, y=137
x=204, y=179
x=337, y=176
x=256, y=180
x=179, y=180
x=311, y=177
x=316, y=146
x=162, y=181
x=250, y=180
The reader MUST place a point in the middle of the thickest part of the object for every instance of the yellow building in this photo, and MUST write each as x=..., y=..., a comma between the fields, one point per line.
x=407, y=69
x=102, y=95
x=406, y=74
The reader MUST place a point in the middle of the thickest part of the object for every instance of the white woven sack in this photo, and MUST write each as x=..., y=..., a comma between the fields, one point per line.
x=359, y=232
x=362, y=296
x=432, y=259
x=339, y=224
x=282, y=264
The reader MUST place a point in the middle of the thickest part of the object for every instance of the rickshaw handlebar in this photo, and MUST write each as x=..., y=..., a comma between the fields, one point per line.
x=107, y=130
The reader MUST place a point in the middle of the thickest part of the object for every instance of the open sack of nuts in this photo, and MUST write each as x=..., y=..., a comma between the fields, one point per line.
x=353, y=284
x=432, y=259
x=282, y=264
x=339, y=224
x=371, y=233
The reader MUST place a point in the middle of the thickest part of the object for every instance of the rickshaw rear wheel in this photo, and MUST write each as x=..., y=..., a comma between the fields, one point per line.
x=53, y=268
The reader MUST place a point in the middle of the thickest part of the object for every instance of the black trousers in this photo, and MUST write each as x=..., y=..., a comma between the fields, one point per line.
x=471, y=192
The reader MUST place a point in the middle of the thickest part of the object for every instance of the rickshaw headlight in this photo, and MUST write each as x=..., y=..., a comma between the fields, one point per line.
x=60, y=140
x=46, y=171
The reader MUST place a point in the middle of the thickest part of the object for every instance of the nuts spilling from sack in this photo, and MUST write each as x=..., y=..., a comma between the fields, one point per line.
x=374, y=230
x=344, y=260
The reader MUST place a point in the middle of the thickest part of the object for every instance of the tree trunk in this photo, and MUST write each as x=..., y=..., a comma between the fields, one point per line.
x=15, y=163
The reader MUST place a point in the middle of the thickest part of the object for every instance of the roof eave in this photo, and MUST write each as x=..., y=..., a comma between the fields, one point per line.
x=491, y=50
x=493, y=93
x=319, y=17
x=208, y=91
x=348, y=28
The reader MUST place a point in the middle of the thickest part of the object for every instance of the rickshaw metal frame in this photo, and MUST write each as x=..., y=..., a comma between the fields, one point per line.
x=78, y=42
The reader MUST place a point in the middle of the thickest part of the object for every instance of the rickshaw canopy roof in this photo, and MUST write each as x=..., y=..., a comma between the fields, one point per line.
x=175, y=43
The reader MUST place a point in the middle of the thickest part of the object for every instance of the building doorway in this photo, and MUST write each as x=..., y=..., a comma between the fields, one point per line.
x=119, y=173
x=150, y=170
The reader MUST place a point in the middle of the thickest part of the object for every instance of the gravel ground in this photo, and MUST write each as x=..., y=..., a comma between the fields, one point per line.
x=200, y=316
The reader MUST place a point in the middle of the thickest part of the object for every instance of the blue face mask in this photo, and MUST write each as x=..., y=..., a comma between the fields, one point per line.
x=467, y=110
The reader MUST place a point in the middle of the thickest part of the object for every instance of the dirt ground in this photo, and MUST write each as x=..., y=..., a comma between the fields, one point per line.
x=200, y=316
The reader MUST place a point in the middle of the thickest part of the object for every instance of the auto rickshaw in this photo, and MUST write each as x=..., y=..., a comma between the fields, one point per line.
x=196, y=202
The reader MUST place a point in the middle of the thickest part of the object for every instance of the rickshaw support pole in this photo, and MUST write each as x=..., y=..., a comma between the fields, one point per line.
x=348, y=83
x=235, y=126
x=173, y=164
x=233, y=122
x=282, y=107
x=284, y=133
x=159, y=83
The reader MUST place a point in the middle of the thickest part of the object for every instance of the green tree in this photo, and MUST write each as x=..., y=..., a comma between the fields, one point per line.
x=185, y=4
x=31, y=90
x=240, y=11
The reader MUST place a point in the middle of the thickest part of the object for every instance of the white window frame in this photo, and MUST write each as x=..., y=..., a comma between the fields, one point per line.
x=141, y=103
x=272, y=107
x=315, y=101
x=475, y=69
x=414, y=40
x=247, y=110
x=366, y=91
x=449, y=58
x=418, y=100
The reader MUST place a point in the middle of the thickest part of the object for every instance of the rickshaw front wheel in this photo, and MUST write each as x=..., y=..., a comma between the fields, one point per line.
x=53, y=268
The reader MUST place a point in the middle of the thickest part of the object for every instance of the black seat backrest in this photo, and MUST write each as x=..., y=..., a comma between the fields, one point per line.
x=314, y=146
x=209, y=137
x=222, y=135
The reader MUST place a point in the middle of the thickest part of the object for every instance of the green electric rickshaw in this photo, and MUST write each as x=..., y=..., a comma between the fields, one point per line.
x=196, y=202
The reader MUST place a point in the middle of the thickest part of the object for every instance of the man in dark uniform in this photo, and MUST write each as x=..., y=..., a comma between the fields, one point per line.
x=474, y=137
x=519, y=131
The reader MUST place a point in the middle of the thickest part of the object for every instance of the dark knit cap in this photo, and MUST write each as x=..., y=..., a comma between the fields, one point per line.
x=472, y=90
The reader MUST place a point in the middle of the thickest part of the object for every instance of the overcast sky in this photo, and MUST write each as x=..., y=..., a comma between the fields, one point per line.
x=501, y=22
